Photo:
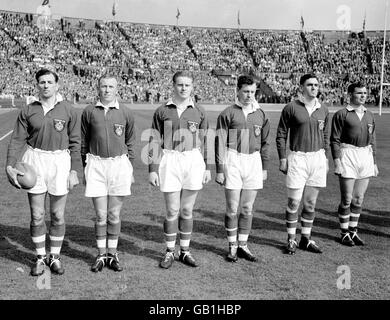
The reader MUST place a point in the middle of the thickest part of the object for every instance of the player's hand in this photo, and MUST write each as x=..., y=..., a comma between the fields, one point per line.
x=376, y=170
x=154, y=179
x=206, y=177
x=327, y=166
x=265, y=175
x=73, y=180
x=12, y=174
x=220, y=178
x=132, y=178
x=283, y=165
x=337, y=167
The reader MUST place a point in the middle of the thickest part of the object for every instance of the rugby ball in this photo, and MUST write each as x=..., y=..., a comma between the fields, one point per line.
x=29, y=179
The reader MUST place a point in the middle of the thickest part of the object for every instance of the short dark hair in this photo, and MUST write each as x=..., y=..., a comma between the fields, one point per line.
x=245, y=80
x=43, y=72
x=353, y=86
x=107, y=76
x=307, y=76
x=183, y=73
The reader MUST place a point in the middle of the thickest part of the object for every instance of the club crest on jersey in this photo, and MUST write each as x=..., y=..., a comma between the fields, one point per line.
x=192, y=126
x=118, y=129
x=370, y=128
x=59, y=125
x=321, y=124
x=256, y=130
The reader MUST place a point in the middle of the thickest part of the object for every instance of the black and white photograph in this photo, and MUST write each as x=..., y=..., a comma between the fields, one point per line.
x=214, y=153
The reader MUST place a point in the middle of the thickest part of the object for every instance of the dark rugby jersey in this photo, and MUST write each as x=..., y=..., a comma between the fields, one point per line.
x=59, y=129
x=348, y=128
x=173, y=133
x=107, y=135
x=307, y=133
x=244, y=135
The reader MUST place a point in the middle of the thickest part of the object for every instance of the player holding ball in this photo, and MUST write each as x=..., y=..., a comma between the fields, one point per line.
x=51, y=129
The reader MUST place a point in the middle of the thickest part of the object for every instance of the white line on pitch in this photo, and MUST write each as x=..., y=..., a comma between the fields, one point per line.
x=6, y=135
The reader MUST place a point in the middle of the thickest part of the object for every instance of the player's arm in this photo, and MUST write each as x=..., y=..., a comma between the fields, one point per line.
x=264, y=151
x=154, y=148
x=221, y=138
x=130, y=140
x=18, y=140
x=373, y=146
x=74, y=135
x=281, y=138
x=204, y=126
x=130, y=137
x=326, y=138
x=335, y=140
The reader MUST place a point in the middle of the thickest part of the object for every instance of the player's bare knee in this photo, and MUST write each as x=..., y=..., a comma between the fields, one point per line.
x=358, y=200
x=57, y=220
x=246, y=209
x=37, y=219
x=293, y=204
x=113, y=218
x=232, y=208
x=172, y=215
x=309, y=205
x=186, y=213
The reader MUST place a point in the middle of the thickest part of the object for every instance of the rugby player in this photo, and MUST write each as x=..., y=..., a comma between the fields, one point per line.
x=353, y=148
x=51, y=129
x=107, y=151
x=241, y=157
x=305, y=120
x=177, y=165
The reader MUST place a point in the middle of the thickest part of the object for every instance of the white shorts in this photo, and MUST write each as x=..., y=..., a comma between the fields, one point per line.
x=52, y=168
x=181, y=170
x=243, y=171
x=306, y=168
x=108, y=176
x=356, y=162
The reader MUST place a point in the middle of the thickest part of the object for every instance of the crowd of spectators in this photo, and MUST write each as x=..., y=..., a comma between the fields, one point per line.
x=145, y=57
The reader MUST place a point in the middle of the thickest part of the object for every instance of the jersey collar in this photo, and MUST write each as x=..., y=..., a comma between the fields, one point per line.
x=171, y=103
x=361, y=108
x=115, y=104
x=317, y=103
x=255, y=106
x=58, y=99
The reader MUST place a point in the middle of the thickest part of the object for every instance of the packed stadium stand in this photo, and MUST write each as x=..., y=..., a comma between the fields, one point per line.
x=145, y=56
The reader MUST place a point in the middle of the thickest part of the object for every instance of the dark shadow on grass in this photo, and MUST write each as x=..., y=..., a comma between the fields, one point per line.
x=85, y=236
x=217, y=231
x=155, y=233
x=376, y=218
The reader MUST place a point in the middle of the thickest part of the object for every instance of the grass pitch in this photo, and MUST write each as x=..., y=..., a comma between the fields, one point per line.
x=274, y=276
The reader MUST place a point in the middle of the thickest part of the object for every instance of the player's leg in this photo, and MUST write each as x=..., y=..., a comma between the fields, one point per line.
x=113, y=230
x=38, y=231
x=100, y=204
x=231, y=221
x=57, y=231
x=172, y=202
x=344, y=209
x=294, y=196
x=356, y=209
x=247, y=199
x=187, y=201
x=309, y=200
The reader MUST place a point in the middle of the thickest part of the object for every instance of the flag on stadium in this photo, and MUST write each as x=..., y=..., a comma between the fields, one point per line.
x=114, y=7
x=178, y=13
x=302, y=22
x=45, y=2
x=364, y=22
x=238, y=18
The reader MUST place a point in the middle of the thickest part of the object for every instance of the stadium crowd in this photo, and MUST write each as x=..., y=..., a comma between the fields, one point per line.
x=146, y=55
